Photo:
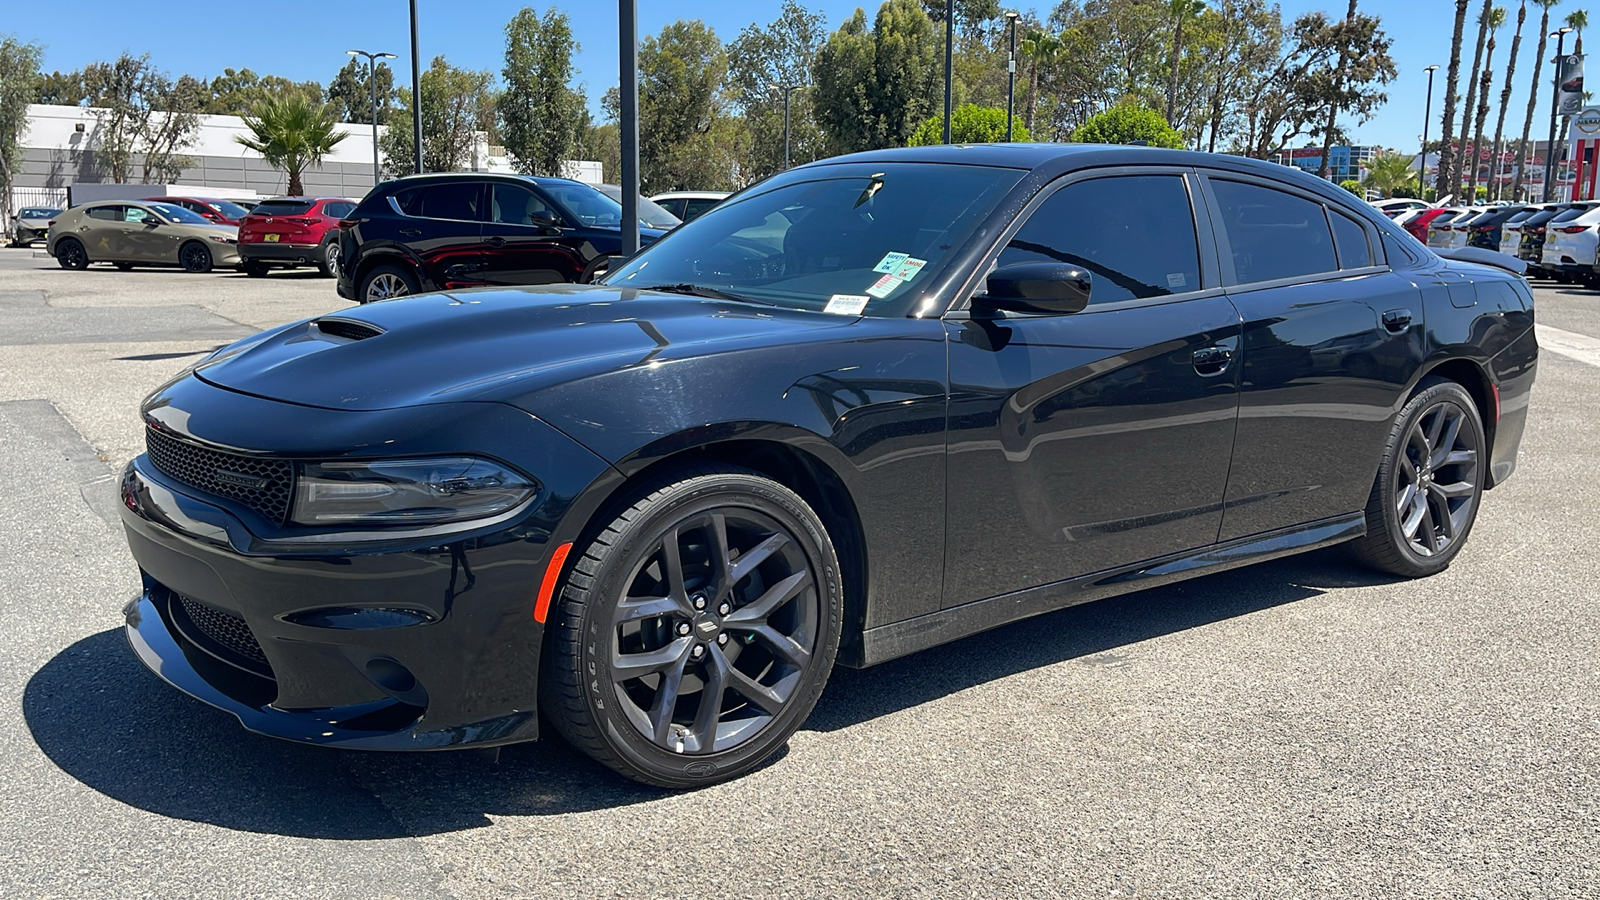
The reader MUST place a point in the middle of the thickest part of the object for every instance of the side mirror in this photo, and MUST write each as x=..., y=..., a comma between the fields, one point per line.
x=151, y=221
x=543, y=220
x=1047, y=288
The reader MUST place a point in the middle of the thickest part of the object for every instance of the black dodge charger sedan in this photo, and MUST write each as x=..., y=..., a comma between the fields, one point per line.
x=867, y=406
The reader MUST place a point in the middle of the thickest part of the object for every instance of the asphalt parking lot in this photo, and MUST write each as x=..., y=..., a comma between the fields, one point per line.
x=1301, y=728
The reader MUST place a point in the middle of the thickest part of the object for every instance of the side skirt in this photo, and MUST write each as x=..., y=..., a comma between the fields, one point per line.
x=888, y=642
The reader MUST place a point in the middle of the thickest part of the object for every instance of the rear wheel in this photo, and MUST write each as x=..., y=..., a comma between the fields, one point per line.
x=254, y=268
x=1429, y=484
x=71, y=255
x=124, y=266
x=330, y=260
x=696, y=632
x=385, y=282
x=195, y=257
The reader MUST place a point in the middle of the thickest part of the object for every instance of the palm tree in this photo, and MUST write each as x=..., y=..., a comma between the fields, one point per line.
x=1505, y=94
x=292, y=134
x=1497, y=18
x=1578, y=20
x=1472, y=103
x=1182, y=12
x=1533, y=94
x=1447, y=151
x=1041, y=49
x=1326, y=167
x=1390, y=172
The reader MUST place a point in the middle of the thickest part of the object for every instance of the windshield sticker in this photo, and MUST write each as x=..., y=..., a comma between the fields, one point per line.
x=846, y=304
x=1176, y=280
x=890, y=262
x=884, y=286
x=909, y=267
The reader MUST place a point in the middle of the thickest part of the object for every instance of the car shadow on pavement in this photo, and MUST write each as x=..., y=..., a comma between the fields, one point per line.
x=104, y=720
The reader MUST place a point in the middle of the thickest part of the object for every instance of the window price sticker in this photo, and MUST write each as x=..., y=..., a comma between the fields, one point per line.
x=890, y=262
x=846, y=304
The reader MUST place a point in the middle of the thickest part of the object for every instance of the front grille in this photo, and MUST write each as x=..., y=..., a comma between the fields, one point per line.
x=226, y=630
x=264, y=485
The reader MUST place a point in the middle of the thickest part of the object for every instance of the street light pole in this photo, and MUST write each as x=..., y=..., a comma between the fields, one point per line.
x=416, y=93
x=372, y=80
x=1011, y=74
x=789, y=89
x=949, y=62
x=1555, y=107
x=1427, y=113
x=628, y=89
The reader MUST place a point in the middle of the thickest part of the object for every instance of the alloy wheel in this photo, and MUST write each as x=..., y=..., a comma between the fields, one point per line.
x=1436, y=479
x=72, y=256
x=331, y=260
x=195, y=258
x=717, y=628
x=385, y=285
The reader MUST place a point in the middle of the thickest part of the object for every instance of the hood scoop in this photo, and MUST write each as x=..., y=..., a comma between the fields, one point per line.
x=348, y=329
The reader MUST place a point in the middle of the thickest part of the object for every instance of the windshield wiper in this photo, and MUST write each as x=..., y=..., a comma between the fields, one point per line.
x=695, y=290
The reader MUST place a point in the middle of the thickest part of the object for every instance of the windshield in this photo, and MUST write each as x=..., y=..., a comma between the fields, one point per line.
x=37, y=212
x=848, y=239
x=229, y=210
x=584, y=203
x=650, y=213
x=174, y=213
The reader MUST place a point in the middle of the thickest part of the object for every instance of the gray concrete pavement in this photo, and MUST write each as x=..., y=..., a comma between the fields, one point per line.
x=1296, y=729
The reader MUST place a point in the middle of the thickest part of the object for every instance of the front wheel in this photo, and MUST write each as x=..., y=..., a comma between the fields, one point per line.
x=696, y=632
x=329, y=265
x=386, y=282
x=195, y=257
x=1429, y=484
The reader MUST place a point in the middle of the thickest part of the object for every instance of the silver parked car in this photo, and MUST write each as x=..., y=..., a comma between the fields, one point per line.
x=32, y=224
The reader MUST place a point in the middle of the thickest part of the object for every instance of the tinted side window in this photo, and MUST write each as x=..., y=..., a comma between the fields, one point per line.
x=696, y=206
x=135, y=214
x=338, y=209
x=1351, y=238
x=1274, y=234
x=513, y=205
x=109, y=213
x=451, y=200
x=1134, y=234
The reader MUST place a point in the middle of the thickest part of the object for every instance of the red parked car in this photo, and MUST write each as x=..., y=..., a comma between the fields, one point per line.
x=293, y=231
x=1418, y=224
x=220, y=212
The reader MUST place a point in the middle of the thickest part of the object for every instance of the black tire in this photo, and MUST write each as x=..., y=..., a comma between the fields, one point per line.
x=384, y=282
x=1438, y=435
x=328, y=261
x=124, y=266
x=195, y=257
x=605, y=712
x=71, y=255
x=254, y=269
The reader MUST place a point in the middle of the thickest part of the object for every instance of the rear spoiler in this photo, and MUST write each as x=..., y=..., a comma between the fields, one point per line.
x=1486, y=258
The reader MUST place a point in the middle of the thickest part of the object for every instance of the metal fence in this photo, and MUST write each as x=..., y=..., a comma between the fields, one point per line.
x=30, y=196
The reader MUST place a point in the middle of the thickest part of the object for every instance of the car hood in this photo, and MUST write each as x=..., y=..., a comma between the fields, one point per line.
x=490, y=344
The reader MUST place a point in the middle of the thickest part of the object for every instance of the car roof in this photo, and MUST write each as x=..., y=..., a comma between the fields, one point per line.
x=691, y=195
x=467, y=176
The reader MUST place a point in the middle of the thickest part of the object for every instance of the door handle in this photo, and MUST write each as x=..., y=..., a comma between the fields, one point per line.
x=411, y=232
x=1397, y=320
x=1212, y=360
x=495, y=241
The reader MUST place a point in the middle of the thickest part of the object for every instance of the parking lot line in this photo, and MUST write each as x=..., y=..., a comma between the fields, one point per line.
x=1570, y=344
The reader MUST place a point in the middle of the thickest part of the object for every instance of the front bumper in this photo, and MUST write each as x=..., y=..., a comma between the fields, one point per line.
x=302, y=254
x=417, y=644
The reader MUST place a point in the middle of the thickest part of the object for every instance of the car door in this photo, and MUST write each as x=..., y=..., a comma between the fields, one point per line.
x=523, y=242
x=146, y=237
x=100, y=229
x=1331, y=339
x=1084, y=442
x=443, y=229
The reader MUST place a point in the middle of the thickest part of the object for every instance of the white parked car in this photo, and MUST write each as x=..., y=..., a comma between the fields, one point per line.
x=1449, y=232
x=1396, y=205
x=1570, y=242
x=688, y=204
x=1511, y=231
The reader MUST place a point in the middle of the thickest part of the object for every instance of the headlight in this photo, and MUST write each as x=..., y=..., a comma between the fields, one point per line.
x=221, y=239
x=406, y=491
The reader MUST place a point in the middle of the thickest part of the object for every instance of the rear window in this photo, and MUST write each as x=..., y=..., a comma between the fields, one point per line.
x=446, y=200
x=1521, y=217
x=1568, y=215
x=230, y=210
x=282, y=208
x=172, y=212
x=37, y=212
x=338, y=209
x=1542, y=216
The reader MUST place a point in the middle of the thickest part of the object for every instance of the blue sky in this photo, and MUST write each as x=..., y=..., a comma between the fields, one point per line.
x=301, y=39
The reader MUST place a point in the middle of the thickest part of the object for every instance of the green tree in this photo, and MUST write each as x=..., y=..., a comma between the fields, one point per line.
x=764, y=62
x=292, y=134
x=1497, y=18
x=1391, y=173
x=1040, y=49
x=1353, y=186
x=969, y=124
x=875, y=86
x=141, y=113
x=350, y=92
x=457, y=108
x=236, y=92
x=1533, y=99
x=1505, y=92
x=1126, y=123
x=1363, y=66
x=1578, y=20
x=686, y=137
x=61, y=89
x=1182, y=12
x=19, y=85
x=540, y=116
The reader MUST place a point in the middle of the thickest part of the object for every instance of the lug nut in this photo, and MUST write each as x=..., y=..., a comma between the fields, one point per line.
x=699, y=601
x=722, y=639
x=683, y=628
x=698, y=651
x=724, y=609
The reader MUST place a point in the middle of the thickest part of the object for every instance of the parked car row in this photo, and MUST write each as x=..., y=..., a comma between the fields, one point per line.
x=1557, y=240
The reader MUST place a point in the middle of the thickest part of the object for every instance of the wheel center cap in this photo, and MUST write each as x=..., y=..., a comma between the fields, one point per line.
x=706, y=627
